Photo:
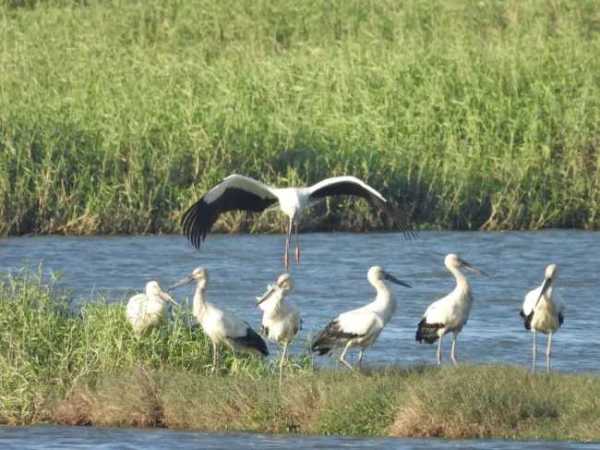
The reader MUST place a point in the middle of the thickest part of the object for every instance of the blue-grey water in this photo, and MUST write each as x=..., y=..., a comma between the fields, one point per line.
x=90, y=438
x=332, y=279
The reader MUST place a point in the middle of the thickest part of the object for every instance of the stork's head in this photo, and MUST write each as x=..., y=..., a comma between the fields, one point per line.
x=550, y=275
x=453, y=261
x=284, y=283
x=153, y=290
x=376, y=275
x=199, y=275
x=551, y=272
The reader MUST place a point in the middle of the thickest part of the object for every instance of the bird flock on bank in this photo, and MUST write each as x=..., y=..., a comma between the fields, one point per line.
x=281, y=320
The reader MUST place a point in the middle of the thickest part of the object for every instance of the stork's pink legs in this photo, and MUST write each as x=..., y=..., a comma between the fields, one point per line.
x=297, y=244
x=286, y=257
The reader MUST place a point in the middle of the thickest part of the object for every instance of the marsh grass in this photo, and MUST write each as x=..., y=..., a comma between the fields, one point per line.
x=493, y=401
x=47, y=345
x=115, y=116
x=60, y=364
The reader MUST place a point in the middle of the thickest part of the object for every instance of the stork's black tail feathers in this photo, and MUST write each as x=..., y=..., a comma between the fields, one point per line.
x=331, y=336
x=252, y=342
x=427, y=331
x=322, y=347
x=526, y=319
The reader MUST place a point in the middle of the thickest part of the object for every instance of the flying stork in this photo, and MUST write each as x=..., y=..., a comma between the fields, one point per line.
x=238, y=192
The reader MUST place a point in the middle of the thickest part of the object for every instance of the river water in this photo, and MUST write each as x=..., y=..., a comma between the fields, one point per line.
x=90, y=438
x=332, y=279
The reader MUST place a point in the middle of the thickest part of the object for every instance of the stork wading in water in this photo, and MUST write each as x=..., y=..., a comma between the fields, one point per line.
x=147, y=310
x=281, y=320
x=450, y=313
x=543, y=312
x=360, y=327
x=237, y=192
x=221, y=326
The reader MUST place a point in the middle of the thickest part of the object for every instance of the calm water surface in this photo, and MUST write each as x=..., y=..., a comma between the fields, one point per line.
x=331, y=279
x=54, y=438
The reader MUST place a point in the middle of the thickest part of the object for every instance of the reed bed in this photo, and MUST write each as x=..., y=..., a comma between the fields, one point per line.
x=116, y=115
x=84, y=366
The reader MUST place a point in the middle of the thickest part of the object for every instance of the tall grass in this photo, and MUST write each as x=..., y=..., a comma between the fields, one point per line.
x=115, y=115
x=61, y=366
x=47, y=345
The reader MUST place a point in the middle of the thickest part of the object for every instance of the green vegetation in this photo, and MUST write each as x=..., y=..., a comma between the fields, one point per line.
x=115, y=115
x=63, y=367
x=46, y=347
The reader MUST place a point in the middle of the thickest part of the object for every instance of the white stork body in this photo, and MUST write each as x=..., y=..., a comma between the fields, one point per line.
x=221, y=326
x=360, y=327
x=145, y=311
x=543, y=312
x=281, y=320
x=450, y=313
x=237, y=192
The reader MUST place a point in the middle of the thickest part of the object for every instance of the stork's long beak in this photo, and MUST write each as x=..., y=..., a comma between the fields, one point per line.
x=167, y=298
x=266, y=295
x=182, y=282
x=468, y=266
x=393, y=279
x=545, y=286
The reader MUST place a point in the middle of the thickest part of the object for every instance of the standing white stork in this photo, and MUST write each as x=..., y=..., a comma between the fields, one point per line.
x=237, y=192
x=542, y=312
x=450, y=313
x=221, y=326
x=147, y=310
x=281, y=320
x=360, y=327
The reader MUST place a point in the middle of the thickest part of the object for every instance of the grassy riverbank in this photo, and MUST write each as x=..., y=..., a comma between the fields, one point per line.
x=88, y=368
x=114, y=116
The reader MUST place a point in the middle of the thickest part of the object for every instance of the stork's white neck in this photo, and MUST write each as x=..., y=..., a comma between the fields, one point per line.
x=384, y=303
x=462, y=285
x=199, y=305
x=546, y=300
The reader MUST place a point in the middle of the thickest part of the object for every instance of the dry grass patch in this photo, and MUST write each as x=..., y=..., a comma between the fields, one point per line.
x=483, y=402
x=129, y=399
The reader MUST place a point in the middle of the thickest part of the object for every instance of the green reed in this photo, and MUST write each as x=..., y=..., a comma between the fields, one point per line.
x=116, y=115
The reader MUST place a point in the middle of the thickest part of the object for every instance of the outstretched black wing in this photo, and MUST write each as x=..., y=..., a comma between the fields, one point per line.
x=348, y=185
x=345, y=185
x=235, y=192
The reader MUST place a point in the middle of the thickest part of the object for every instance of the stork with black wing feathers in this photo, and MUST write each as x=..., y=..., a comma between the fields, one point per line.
x=238, y=192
